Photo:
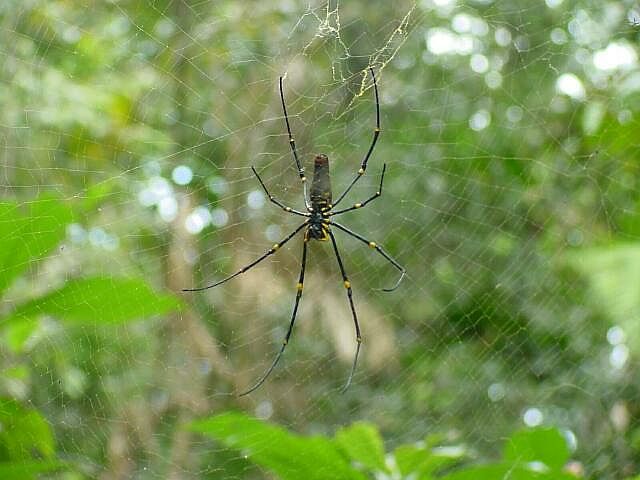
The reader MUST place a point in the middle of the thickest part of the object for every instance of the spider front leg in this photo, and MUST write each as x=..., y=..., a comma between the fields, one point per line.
x=271, y=251
x=370, y=199
x=347, y=285
x=292, y=144
x=275, y=200
x=376, y=133
x=299, y=287
x=380, y=250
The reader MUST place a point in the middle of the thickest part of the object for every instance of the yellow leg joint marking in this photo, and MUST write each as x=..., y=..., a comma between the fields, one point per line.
x=357, y=205
x=275, y=247
x=287, y=209
x=291, y=140
x=299, y=286
x=347, y=284
x=361, y=171
x=376, y=129
x=284, y=342
x=303, y=179
x=373, y=244
x=359, y=339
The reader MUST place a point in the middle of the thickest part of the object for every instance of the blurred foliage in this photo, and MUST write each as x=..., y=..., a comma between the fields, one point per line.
x=357, y=452
x=27, y=447
x=30, y=233
x=511, y=195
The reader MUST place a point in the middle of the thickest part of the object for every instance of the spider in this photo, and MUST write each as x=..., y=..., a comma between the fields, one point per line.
x=318, y=226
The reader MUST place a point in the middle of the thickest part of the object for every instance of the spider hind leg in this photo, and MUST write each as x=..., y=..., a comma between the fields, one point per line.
x=347, y=286
x=299, y=287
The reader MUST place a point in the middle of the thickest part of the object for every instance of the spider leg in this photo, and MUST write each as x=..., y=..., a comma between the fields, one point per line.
x=376, y=133
x=370, y=199
x=293, y=319
x=271, y=251
x=347, y=285
x=292, y=144
x=380, y=250
x=275, y=200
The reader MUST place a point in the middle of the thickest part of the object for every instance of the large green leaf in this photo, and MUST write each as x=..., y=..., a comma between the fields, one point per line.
x=530, y=454
x=100, y=300
x=28, y=232
x=363, y=444
x=544, y=445
x=290, y=456
x=24, y=435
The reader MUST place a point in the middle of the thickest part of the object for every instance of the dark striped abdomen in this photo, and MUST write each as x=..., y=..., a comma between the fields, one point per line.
x=321, y=184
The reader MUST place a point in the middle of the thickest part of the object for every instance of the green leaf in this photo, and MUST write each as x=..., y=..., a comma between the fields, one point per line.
x=425, y=461
x=290, y=456
x=530, y=454
x=18, y=332
x=98, y=193
x=100, y=300
x=410, y=459
x=27, y=470
x=28, y=232
x=25, y=433
x=546, y=445
x=506, y=471
x=363, y=444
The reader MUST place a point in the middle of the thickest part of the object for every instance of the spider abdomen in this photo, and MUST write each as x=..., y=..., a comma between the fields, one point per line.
x=321, y=184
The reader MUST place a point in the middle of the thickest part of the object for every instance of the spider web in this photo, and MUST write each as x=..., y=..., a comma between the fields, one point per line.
x=508, y=130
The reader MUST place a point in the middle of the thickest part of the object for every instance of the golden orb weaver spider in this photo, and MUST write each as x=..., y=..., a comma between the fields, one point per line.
x=317, y=226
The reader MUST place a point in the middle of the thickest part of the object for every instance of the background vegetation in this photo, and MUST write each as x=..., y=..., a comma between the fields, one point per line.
x=127, y=132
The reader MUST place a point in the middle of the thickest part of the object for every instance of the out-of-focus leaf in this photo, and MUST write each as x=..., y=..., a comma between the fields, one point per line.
x=530, y=454
x=410, y=459
x=363, y=444
x=506, y=471
x=544, y=445
x=24, y=435
x=28, y=232
x=18, y=332
x=98, y=193
x=424, y=461
x=27, y=470
x=100, y=300
x=290, y=456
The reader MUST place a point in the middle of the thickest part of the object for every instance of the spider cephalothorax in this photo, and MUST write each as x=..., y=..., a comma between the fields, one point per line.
x=319, y=210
